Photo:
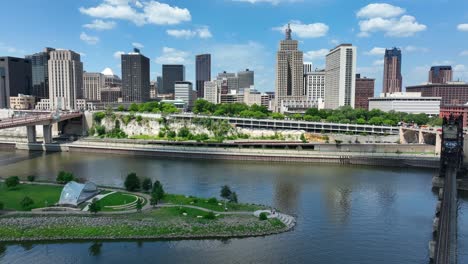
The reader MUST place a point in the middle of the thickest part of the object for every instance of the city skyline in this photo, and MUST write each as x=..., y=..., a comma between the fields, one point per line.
x=187, y=30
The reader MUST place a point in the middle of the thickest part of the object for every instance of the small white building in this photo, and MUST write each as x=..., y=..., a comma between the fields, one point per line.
x=412, y=103
x=183, y=91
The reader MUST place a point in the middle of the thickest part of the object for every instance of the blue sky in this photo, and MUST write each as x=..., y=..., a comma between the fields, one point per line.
x=242, y=33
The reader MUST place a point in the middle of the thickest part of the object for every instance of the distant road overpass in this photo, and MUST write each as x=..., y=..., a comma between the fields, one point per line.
x=31, y=119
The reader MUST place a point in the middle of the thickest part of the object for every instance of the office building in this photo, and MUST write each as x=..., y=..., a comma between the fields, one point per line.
x=153, y=90
x=170, y=75
x=111, y=80
x=111, y=94
x=40, y=73
x=340, y=80
x=202, y=72
x=364, y=91
x=289, y=71
x=65, y=79
x=392, y=80
x=93, y=83
x=307, y=67
x=227, y=82
x=22, y=102
x=314, y=82
x=135, y=77
x=246, y=79
x=452, y=93
x=184, y=91
x=15, y=78
x=412, y=103
x=456, y=110
x=440, y=74
x=211, y=92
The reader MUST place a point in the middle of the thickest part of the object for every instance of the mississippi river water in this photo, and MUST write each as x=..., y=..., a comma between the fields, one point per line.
x=345, y=214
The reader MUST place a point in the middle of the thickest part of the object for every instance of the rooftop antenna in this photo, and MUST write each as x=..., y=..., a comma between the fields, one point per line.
x=288, y=32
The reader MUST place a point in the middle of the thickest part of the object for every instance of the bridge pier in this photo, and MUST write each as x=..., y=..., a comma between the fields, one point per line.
x=47, y=131
x=402, y=136
x=438, y=144
x=31, y=130
x=421, y=137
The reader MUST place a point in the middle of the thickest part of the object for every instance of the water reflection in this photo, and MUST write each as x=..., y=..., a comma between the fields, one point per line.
x=95, y=249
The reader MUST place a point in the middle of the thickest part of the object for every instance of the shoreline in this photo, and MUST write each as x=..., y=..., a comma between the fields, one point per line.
x=369, y=154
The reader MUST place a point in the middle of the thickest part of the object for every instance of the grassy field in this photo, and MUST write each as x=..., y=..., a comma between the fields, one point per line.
x=117, y=199
x=42, y=195
x=162, y=222
x=209, y=204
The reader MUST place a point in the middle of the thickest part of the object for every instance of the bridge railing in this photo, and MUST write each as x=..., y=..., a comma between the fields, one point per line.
x=11, y=122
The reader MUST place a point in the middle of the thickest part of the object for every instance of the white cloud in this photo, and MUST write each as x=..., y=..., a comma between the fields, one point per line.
x=99, y=24
x=316, y=54
x=91, y=40
x=139, y=12
x=464, y=53
x=376, y=51
x=415, y=49
x=9, y=49
x=380, y=10
x=460, y=68
x=378, y=62
x=273, y=2
x=202, y=32
x=138, y=45
x=314, y=30
x=118, y=54
x=388, y=19
x=172, y=56
x=462, y=27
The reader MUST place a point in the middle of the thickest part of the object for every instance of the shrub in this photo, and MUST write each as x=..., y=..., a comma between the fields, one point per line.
x=153, y=200
x=31, y=178
x=95, y=206
x=132, y=182
x=146, y=184
x=210, y=216
x=171, y=134
x=12, y=181
x=263, y=216
x=65, y=177
x=303, y=138
x=26, y=203
x=158, y=191
x=184, y=132
x=92, y=131
x=98, y=117
x=139, y=119
x=212, y=200
x=139, y=205
x=1, y=205
x=121, y=108
x=233, y=197
x=100, y=130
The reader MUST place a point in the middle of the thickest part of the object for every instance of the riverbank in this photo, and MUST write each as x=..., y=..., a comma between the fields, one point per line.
x=160, y=223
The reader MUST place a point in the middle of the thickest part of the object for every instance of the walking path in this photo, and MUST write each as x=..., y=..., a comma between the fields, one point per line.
x=97, y=197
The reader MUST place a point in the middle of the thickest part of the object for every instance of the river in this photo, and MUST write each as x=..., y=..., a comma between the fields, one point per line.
x=345, y=214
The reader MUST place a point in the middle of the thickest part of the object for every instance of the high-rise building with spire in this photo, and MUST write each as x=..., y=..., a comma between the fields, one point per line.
x=392, y=80
x=289, y=72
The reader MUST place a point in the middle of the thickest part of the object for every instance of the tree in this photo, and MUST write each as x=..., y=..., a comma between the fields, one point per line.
x=146, y=184
x=65, y=177
x=95, y=206
x=132, y=182
x=225, y=192
x=1, y=205
x=158, y=191
x=139, y=205
x=31, y=178
x=26, y=203
x=184, y=132
x=12, y=182
x=153, y=200
x=233, y=198
x=303, y=138
x=121, y=108
x=263, y=216
x=133, y=107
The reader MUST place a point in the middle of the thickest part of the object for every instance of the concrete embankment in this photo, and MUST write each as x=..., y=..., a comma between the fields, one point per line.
x=268, y=155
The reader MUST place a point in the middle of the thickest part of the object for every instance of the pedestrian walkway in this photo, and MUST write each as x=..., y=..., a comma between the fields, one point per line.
x=288, y=220
x=98, y=197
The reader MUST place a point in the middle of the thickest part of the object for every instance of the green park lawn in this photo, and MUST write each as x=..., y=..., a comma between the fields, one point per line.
x=208, y=204
x=117, y=199
x=42, y=195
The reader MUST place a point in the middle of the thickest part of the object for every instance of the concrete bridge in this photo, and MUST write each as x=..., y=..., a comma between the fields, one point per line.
x=31, y=119
x=429, y=136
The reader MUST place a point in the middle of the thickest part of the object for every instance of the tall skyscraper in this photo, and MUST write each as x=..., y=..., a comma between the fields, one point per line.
x=171, y=73
x=93, y=83
x=65, y=79
x=392, y=80
x=202, y=72
x=440, y=74
x=227, y=82
x=364, y=91
x=40, y=73
x=289, y=71
x=340, y=82
x=15, y=77
x=135, y=77
x=246, y=78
